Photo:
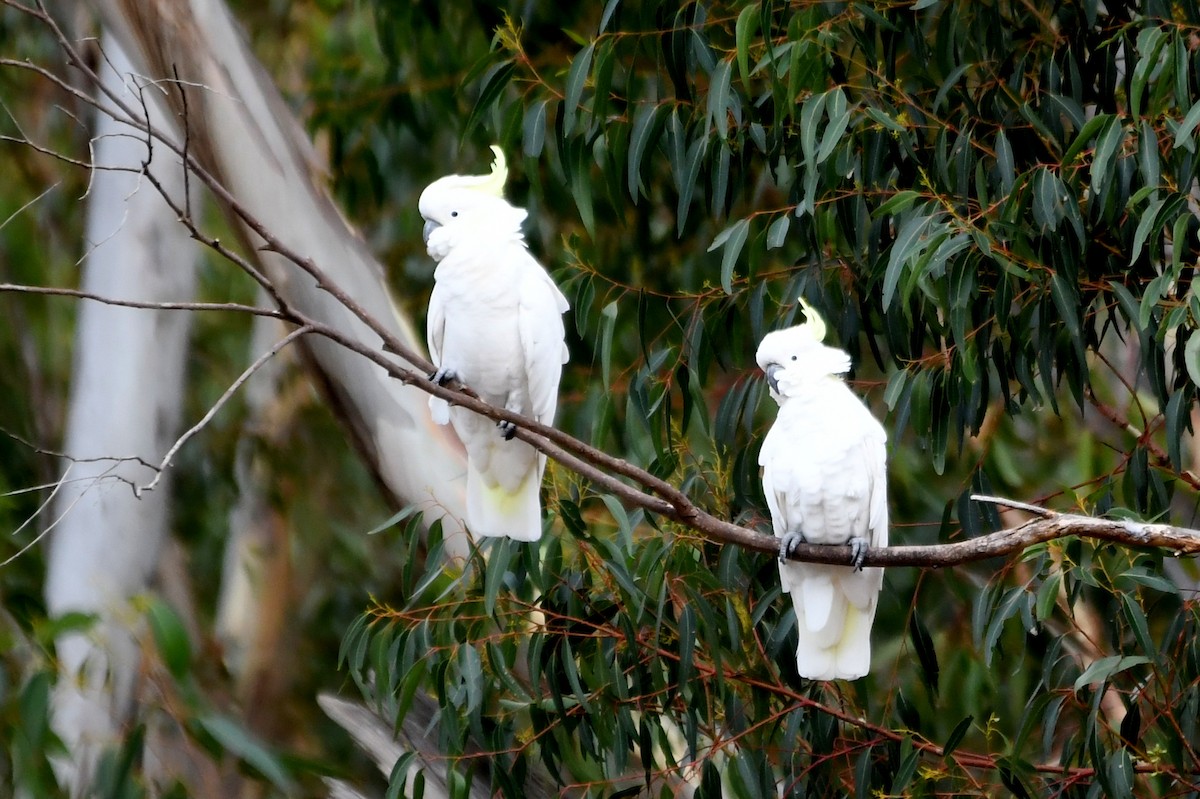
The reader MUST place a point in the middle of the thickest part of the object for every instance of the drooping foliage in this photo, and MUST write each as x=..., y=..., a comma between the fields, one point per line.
x=995, y=205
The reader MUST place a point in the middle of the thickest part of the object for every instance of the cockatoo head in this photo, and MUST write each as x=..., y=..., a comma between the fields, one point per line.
x=463, y=208
x=795, y=357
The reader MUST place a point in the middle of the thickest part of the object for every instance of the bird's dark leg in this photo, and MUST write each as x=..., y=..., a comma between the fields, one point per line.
x=443, y=375
x=788, y=544
x=508, y=429
x=858, y=551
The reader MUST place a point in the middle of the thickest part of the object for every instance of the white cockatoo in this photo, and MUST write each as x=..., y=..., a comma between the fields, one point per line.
x=824, y=477
x=495, y=323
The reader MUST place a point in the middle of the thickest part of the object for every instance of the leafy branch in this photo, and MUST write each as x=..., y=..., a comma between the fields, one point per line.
x=609, y=474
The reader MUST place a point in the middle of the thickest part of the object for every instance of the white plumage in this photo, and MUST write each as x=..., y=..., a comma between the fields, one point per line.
x=495, y=323
x=824, y=477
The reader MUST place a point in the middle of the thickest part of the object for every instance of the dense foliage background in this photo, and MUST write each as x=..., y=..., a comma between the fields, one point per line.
x=995, y=205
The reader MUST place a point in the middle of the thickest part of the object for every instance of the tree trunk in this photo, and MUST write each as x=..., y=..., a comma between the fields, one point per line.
x=125, y=402
x=243, y=133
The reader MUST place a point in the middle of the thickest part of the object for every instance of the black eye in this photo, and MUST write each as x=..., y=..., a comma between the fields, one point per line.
x=793, y=357
x=454, y=213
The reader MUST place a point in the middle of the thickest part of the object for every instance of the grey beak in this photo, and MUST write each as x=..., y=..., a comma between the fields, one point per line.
x=430, y=226
x=773, y=371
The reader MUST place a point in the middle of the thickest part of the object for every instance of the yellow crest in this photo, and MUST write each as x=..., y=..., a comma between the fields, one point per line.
x=813, y=323
x=492, y=184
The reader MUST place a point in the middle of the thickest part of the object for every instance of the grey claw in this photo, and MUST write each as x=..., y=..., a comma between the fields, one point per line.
x=858, y=552
x=507, y=429
x=788, y=543
x=443, y=376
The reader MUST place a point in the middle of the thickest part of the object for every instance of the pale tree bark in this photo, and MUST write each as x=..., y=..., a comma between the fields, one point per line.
x=243, y=133
x=125, y=402
x=257, y=590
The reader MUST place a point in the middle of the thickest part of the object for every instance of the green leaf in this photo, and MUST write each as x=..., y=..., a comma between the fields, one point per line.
x=1191, y=358
x=46, y=630
x=170, y=636
x=571, y=671
x=646, y=127
x=777, y=232
x=1004, y=163
x=609, y=8
x=1146, y=225
x=493, y=85
x=897, y=203
x=533, y=129
x=733, y=238
x=408, y=687
x=1085, y=136
x=581, y=66
x=34, y=708
x=1148, y=159
x=1107, y=142
x=810, y=114
x=1150, y=42
x=398, y=779
x=862, y=774
x=1183, y=133
x=1012, y=780
x=907, y=245
x=1105, y=668
x=241, y=743
x=1137, y=621
x=621, y=517
x=883, y=119
x=1178, y=413
x=608, y=322
x=494, y=571
x=718, y=98
x=956, y=737
x=687, y=644
x=744, y=30
x=1067, y=303
x=926, y=654
x=839, y=118
x=470, y=667
x=394, y=519
x=1049, y=197
x=909, y=758
x=687, y=181
x=1047, y=596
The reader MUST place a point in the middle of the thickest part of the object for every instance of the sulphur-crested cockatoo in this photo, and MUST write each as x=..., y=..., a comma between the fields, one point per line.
x=495, y=323
x=824, y=477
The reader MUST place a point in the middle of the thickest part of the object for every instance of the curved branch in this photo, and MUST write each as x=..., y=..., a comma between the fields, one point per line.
x=631, y=484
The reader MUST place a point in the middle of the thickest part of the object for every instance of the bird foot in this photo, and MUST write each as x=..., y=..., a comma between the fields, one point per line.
x=507, y=429
x=788, y=544
x=443, y=376
x=858, y=551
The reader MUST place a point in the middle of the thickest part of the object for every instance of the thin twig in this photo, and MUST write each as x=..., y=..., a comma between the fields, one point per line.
x=1045, y=513
x=54, y=291
x=216, y=406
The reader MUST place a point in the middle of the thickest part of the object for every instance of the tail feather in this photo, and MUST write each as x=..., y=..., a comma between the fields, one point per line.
x=834, y=637
x=494, y=511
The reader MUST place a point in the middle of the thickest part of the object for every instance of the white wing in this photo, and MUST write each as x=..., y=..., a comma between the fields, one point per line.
x=539, y=318
x=875, y=460
x=435, y=329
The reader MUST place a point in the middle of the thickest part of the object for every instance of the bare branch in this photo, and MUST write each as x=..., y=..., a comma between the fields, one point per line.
x=216, y=406
x=54, y=291
x=1010, y=503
